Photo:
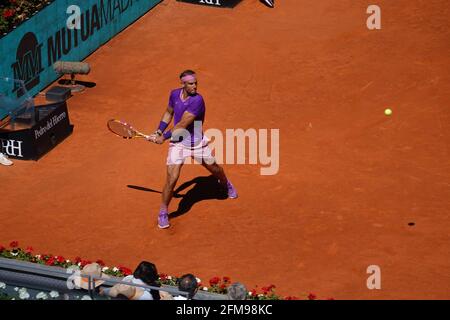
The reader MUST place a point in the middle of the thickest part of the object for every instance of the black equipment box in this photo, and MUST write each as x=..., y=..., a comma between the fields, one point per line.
x=58, y=93
x=214, y=3
x=31, y=136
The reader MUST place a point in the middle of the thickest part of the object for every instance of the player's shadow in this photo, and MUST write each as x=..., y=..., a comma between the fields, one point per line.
x=205, y=188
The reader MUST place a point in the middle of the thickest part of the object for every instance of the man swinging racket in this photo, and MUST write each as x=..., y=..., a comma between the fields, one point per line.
x=187, y=108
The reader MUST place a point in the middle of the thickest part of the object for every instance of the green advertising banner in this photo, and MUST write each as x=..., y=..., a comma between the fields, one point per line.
x=66, y=30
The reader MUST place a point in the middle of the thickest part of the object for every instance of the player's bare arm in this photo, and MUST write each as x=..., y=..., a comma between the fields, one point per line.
x=165, y=121
x=167, y=117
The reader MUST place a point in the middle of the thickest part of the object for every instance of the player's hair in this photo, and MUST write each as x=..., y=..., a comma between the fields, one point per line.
x=186, y=73
x=188, y=283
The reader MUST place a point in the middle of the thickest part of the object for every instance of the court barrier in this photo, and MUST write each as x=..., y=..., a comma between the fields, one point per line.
x=38, y=278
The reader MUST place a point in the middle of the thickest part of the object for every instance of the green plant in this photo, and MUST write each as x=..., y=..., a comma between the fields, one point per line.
x=14, y=12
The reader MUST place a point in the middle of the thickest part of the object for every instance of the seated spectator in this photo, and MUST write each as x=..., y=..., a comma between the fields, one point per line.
x=237, y=291
x=187, y=283
x=90, y=270
x=145, y=274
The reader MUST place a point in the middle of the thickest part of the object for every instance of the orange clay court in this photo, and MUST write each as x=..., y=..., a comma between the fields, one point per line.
x=351, y=179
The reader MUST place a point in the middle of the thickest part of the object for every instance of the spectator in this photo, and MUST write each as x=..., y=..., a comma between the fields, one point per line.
x=187, y=283
x=237, y=291
x=90, y=270
x=145, y=274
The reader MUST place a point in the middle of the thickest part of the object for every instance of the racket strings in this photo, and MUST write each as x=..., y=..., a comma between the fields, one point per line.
x=122, y=129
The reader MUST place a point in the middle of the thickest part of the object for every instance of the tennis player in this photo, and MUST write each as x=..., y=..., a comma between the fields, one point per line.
x=187, y=108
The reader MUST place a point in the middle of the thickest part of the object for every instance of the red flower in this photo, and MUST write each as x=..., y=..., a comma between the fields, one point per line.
x=14, y=244
x=29, y=249
x=291, y=298
x=100, y=262
x=214, y=281
x=8, y=13
x=60, y=259
x=125, y=271
x=253, y=292
x=330, y=299
x=226, y=279
x=312, y=296
x=84, y=262
x=50, y=261
x=2, y=248
x=163, y=276
x=223, y=286
x=268, y=289
x=77, y=260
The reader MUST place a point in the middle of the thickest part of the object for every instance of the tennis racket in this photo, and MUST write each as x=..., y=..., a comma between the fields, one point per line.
x=124, y=130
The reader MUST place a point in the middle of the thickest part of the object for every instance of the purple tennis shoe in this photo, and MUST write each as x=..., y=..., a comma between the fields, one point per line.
x=232, y=193
x=163, y=220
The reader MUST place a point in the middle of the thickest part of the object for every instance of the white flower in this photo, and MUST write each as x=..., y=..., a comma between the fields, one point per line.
x=169, y=277
x=54, y=294
x=16, y=289
x=260, y=295
x=42, y=295
x=67, y=261
x=205, y=288
x=86, y=298
x=38, y=256
x=23, y=294
x=115, y=269
x=2, y=285
x=198, y=280
x=249, y=293
x=14, y=253
x=105, y=269
x=79, y=264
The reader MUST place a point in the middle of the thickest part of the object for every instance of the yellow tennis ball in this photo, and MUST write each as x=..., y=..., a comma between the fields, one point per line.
x=388, y=112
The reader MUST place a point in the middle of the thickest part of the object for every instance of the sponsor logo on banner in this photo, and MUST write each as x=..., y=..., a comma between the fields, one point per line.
x=12, y=147
x=28, y=63
x=31, y=53
x=211, y=2
x=53, y=121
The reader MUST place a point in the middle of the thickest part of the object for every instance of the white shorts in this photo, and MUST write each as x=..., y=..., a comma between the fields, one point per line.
x=179, y=152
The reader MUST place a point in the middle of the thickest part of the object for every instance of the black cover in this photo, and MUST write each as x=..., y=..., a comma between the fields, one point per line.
x=57, y=93
x=214, y=3
x=52, y=126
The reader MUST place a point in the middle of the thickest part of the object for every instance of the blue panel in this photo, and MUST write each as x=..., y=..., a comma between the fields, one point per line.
x=29, y=52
